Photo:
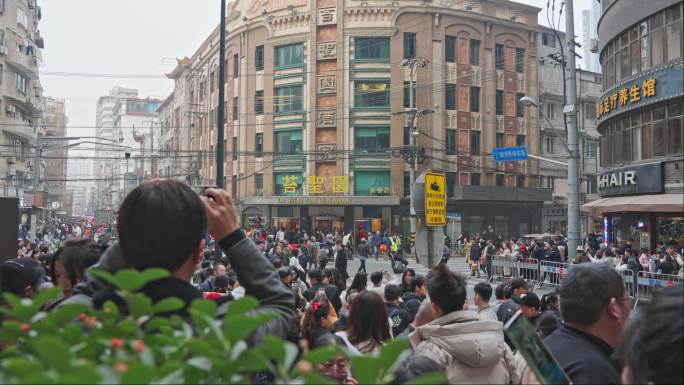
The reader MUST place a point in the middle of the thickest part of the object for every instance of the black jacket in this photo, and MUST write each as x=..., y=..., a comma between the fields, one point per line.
x=254, y=272
x=341, y=263
x=585, y=358
x=412, y=303
x=399, y=317
x=330, y=292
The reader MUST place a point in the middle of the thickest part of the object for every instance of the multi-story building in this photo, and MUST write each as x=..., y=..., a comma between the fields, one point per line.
x=20, y=93
x=316, y=130
x=107, y=163
x=55, y=161
x=590, y=18
x=553, y=137
x=80, y=175
x=640, y=119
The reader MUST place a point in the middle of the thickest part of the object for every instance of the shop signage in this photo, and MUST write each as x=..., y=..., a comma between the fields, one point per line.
x=315, y=184
x=435, y=199
x=626, y=95
x=453, y=214
x=322, y=201
x=327, y=84
x=636, y=179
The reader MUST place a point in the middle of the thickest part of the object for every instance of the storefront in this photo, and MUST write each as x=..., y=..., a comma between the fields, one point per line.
x=636, y=204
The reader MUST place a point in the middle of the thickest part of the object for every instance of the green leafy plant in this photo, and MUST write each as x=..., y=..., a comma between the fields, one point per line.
x=77, y=344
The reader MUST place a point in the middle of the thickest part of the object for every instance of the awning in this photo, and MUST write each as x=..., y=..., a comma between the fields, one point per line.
x=658, y=203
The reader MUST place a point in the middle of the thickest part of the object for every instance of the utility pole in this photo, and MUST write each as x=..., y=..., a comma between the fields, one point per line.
x=413, y=65
x=570, y=111
x=221, y=111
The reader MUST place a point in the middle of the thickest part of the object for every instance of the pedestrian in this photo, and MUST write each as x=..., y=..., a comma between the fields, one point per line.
x=518, y=286
x=341, y=259
x=595, y=307
x=358, y=285
x=71, y=261
x=416, y=296
x=483, y=293
x=399, y=316
x=475, y=254
x=468, y=349
x=337, y=368
x=378, y=287
x=368, y=327
x=500, y=297
x=413, y=368
x=363, y=252
x=321, y=284
x=530, y=307
x=21, y=277
x=406, y=280
x=314, y=322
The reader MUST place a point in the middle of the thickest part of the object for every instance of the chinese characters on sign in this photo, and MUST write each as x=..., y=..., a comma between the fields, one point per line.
x=316, y=184
x=624, y=96
x=327, y=84
x=325, y=118
x=325, y=152
x=435, y=199
x=290, y=184
x=327, y=50
x=507, y=154
x=327, y=16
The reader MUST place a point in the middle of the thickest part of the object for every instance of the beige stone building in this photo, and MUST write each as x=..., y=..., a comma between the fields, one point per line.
x=315, y=89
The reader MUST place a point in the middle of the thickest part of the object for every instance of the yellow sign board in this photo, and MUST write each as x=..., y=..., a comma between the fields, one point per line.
x=435, y=199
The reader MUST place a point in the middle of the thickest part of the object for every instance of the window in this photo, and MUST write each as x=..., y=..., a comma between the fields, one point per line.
x=450, y=183
x=235, y=148
x=499, y=56
x=372, y=48
x=288, y=99
x=409, y=45
x=474, y=178
x=407, y=97
x=475, y=142
x=259, y=184
x=371, y=182
x=371, y=139
x=259, y=59
x=18, y=149
x=212, y=80
x=519, y=110
x=259, y=145
x=2, y=7
x=407, y=184
x=659, y=133
x=550, y=142
x=2, y=35
x=450, y=101
x=288, y=142
x=235, y=108
x=548, y=39
x=520, y=140
x=288, y=183
x=520, y=181
x=674, y=128
x=451, y=141
x=499, y=140
x=236, y=66
x=20, y=82
x=550, y=110
x=673, y=32
x=475, y=52
x=591, y=150
x=592, y=187
x=474, y=99
x=519, y=59
x=450, y=49
x=259, y=102
x=499, y=102
x=407, y=136
x=550, y=183
x=289, y=55
x=500, y=180
x=22, y=18
x=372, y=94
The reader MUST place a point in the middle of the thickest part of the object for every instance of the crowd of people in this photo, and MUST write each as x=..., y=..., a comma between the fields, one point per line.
x=318, y=302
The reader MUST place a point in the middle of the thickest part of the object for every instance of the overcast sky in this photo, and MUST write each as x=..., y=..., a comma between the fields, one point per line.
x=131, y=37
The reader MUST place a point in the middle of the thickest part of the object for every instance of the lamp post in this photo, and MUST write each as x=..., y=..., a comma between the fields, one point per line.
x=220, y=146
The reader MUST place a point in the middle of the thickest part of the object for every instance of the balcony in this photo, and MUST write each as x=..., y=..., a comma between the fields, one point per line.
x=27, y=64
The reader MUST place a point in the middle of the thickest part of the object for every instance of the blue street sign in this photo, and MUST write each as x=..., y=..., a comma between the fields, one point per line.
x=508, y=154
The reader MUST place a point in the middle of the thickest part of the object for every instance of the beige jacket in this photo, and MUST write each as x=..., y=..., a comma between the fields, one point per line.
x=472, y=351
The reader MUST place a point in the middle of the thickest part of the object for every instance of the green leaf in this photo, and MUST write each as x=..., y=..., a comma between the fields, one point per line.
x=21, y=366
x=52, y=352
x=175, y=377
x=65, y=314
x=393, y=354
x=138, y=374
x=430, y=379
x=242, y=306
x=103, y=275
x=129, y=280
x=168, y=305
x=240, y=327
x=201, y=363
x=81, y=375
x=139, y=305
x=291, y=354
x=205, y=307
x=365, y=370
x=273, y=348
x=44, y=296
x=154, y=274
x=322, y=354
x=314, y=378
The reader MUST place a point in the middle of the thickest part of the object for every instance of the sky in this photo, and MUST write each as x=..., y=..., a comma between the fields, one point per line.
x=132, y=37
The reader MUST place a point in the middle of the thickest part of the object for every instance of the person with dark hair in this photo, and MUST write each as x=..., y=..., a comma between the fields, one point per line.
x=21, y=277
x=368, y=326
x=320, y=282
x=406, y=279
x=341, y=258
x=208, y=284
x=376, y=281
x=363, y=251
x=336, y=368
x=415, y=297
x=653, y=350
x=162, y=224
x=518, y=287
x=499, y=293
x=413, y=368
x=469, y=349
x=483, y=293
x=399, y=316
x=595, y=307
x=530, y=306
x=313, y=324
x=334, y=277
x=70, y=262
x=358, y=285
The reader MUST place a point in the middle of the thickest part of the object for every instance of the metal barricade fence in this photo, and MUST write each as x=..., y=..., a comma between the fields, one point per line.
x=502, y=268
x=505, y=268
x=552, y=273
x=630, y=283
x=647, y=283
x=528, y=268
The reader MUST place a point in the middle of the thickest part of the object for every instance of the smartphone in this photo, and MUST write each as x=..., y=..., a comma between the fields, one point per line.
x=525, y=338
x=201, y=190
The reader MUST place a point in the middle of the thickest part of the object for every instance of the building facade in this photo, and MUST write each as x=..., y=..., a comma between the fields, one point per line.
x=20, y=93
x=316, y=132
x=590, y=18
x=640, y=119
x=553, y=135
x=55, y=161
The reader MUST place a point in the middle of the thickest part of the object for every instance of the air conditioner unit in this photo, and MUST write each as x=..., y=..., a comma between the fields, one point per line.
x=12, y=159
x=3, y=50
x=594, y=45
